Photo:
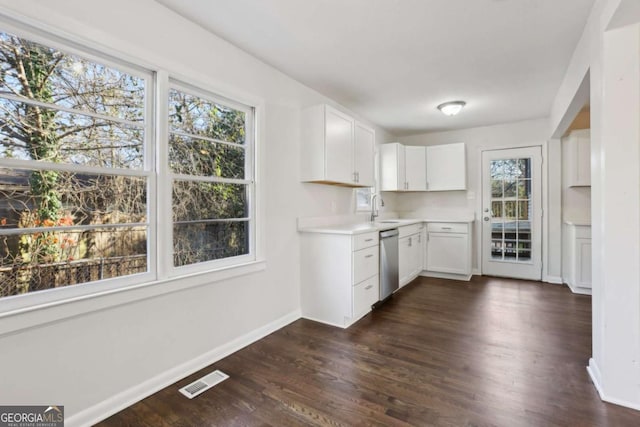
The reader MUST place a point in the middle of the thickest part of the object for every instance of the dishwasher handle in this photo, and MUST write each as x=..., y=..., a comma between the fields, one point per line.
x=388, y=233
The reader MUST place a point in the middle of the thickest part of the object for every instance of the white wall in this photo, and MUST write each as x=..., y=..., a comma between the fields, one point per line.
x=611, y=60
x=93, y=362
x=519, y=134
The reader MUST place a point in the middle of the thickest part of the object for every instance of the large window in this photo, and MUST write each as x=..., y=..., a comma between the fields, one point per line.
x=210, y=143
x=79, y=180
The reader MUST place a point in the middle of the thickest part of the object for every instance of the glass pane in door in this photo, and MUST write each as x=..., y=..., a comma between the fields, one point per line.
x=511, y=210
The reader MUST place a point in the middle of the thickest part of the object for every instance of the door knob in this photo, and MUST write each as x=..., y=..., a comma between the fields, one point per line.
x=486, y=218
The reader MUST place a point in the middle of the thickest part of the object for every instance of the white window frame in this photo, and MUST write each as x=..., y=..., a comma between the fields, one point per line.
x=372, y=190
x=249, y=181
x=160, y=278
x=367, y=206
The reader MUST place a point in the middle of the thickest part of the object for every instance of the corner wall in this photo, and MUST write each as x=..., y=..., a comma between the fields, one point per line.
x=94, y=362
x=611, y=58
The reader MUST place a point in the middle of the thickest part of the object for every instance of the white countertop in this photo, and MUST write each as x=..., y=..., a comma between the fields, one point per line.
x=381, y=225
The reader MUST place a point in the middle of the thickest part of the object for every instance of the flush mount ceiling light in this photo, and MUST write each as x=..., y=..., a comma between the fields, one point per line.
x=451, y=108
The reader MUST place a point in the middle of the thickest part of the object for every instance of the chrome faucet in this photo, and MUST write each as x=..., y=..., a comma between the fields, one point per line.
x=374, y=212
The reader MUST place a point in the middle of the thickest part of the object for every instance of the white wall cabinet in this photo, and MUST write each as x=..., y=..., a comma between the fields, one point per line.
x=576, y=257
x=364, y=152
x=340, y=276
x=448, y=250
x=446, y=167
x=402, y=168
x=417, y=168
x=579, y=161
x=410, y=252
x=336, y=149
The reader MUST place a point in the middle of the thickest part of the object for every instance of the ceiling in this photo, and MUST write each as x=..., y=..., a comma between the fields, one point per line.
x=394, y=61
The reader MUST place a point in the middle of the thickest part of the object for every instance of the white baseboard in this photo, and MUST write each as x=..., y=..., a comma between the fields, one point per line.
x=451, y=276
x=556, y=280
x=594, y=373
x=579, y=290
x=596, y=378
x=120, y=401
x=324, y=322
x=476, y=272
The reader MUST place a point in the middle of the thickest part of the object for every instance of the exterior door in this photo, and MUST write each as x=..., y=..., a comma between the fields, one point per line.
x=512, y=213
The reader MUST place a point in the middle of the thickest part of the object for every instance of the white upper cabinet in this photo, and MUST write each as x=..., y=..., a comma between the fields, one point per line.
x=338, y=146
x=392, y=167
x=415, y=168
x=364, y=146
x=336, y=149
x=402, y=168
x=579, y=162
x=446, y=167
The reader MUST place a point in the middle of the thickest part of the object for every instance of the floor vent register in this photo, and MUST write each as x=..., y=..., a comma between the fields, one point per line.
x=203, y=384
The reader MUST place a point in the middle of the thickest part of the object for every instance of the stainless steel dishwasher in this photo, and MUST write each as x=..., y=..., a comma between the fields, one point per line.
x=389, y=276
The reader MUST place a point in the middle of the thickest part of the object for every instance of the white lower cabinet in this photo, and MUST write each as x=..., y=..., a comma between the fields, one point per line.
x=365, y=294
x=576, y=258
x=410, y=252
x=448, y=250
x=340, y=276
x=404, y=260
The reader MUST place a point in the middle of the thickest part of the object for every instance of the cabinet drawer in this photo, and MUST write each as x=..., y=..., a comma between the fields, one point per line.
x=408, y=230
x=361, y=241
x=365, y=264
x=365, y=294
x=448, y=227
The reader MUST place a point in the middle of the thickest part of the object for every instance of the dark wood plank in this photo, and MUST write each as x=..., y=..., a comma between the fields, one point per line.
x=490, y=352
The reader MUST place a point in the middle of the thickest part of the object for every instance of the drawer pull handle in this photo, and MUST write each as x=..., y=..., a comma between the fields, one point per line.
x=368, y=287
x=446, y=228
x=369, y=256
x=368, y=240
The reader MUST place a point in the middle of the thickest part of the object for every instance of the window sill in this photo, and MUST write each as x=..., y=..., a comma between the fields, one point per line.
x=29, y=317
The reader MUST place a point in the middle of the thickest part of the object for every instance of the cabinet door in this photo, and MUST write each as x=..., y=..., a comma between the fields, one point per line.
x=446, y=167
x=418, y=251
x=414, y=251
x=583, y=260
x=364, y=142
x=338, y=146
x=415, y=168
x=580, y=158
x=447, y=253
x=392, y=167
x=404, y=260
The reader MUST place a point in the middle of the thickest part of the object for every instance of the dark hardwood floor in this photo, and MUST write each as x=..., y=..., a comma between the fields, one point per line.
x=490, y=352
